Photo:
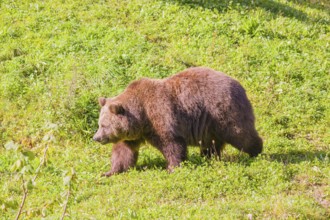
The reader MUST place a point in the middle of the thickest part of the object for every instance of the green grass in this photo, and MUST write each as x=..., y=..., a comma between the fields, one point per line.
x=57, y=57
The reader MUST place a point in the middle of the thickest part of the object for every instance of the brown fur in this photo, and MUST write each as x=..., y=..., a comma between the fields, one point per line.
x=198, y=106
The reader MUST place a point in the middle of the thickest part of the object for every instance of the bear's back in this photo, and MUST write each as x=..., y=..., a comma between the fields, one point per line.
x=204, y=88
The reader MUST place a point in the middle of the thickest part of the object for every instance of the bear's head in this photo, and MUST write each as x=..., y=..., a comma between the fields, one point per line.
x=116, y=122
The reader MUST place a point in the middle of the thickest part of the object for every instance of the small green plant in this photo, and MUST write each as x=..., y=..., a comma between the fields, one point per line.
x=24, y=170
x=69, y=181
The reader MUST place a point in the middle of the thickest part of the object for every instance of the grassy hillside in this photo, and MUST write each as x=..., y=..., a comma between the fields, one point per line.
x=57, y=57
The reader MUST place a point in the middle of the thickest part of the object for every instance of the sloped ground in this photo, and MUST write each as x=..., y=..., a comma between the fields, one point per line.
x=57, y=57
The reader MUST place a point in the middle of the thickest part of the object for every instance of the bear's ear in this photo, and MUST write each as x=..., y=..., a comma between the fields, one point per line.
x=116, y=108
x=102, y=101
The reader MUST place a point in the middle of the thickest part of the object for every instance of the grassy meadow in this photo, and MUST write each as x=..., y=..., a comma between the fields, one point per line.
x=57, y=57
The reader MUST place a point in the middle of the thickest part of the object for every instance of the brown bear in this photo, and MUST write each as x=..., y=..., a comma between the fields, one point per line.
x=198, y=106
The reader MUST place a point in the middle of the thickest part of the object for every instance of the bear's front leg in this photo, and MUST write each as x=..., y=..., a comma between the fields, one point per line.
x=124, y=155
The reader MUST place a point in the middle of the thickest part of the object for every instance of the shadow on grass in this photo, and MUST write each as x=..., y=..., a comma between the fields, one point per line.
x=292, y=157
x=157, y=163
x=297, y=156
x=276, y=8
x=320, y=4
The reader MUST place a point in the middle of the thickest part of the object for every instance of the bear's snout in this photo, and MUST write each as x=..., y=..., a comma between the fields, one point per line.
x=96, y=138
x=101, y=139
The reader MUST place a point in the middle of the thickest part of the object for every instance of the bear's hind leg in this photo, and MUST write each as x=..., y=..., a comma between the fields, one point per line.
x=175, y=152
x=124, y=155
